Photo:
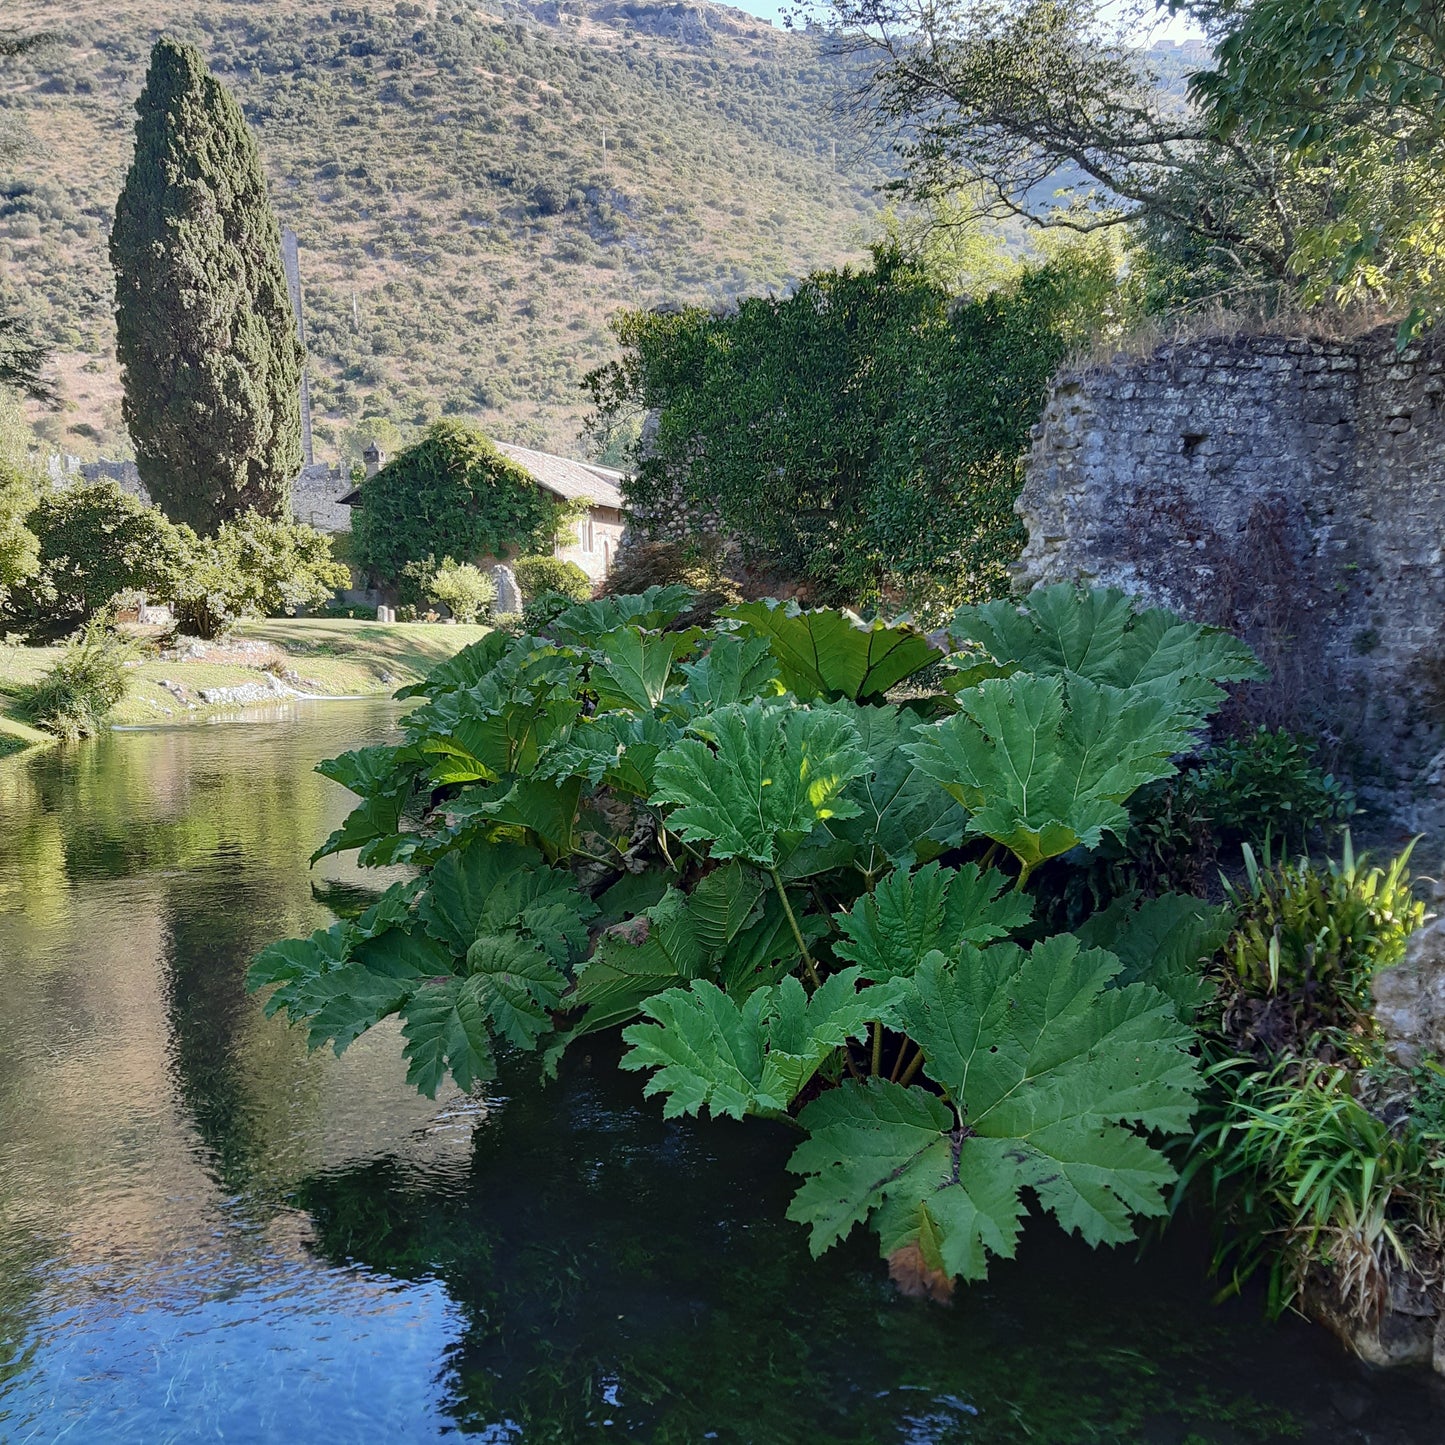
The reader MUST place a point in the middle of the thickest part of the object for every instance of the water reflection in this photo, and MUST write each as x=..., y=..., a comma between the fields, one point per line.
x=207, y=1234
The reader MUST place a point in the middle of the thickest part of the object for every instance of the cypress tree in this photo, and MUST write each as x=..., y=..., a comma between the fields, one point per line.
x=204, y=328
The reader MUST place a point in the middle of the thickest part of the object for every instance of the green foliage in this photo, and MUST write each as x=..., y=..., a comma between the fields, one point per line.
x=1041, y=1068
x=253, y=566
x=539, y=575
x=1315, y=1182
x=1268, y=784
x=74, y=698
x=631, y=823
x=204, y=329
x=466, y=591
x=96, y=541
x=19, y=546
x=1309, y=943
x=453, y=494
x=863, y=431
x=1356, y=89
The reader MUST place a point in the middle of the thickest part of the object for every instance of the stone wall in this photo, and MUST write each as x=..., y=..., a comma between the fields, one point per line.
x=1292, y=490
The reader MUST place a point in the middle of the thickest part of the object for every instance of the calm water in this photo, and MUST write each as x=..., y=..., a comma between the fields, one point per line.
x=207, y=1235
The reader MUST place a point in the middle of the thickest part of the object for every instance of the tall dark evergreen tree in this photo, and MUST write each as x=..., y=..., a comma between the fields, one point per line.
x=205, y=332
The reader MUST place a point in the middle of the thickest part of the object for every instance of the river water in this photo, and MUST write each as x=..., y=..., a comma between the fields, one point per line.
x=207, y=1234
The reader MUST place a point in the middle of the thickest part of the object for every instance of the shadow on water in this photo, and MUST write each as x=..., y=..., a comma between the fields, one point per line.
x=206, y=1233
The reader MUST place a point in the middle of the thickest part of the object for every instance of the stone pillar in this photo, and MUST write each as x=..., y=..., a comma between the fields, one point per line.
x=509, y=595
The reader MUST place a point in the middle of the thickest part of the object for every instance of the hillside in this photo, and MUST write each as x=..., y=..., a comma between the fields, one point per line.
x=464, y=236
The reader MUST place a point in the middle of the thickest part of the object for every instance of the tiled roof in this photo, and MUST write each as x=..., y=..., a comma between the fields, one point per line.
x=573, y=481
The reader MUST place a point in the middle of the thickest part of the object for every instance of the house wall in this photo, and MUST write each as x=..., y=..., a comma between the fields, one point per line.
x=597, y=544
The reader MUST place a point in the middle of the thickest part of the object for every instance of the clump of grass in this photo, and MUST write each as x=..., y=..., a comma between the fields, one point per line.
x=76, y=696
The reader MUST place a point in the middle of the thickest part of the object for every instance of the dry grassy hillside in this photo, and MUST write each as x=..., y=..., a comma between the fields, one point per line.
x=464, y=236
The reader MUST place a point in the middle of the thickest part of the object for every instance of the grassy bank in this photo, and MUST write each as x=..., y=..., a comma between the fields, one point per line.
x=322, y=657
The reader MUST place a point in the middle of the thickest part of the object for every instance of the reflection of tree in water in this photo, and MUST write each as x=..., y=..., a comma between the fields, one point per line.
x=613, y=1267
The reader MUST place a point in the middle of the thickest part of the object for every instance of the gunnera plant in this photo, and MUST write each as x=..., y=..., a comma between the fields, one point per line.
x=797, y=898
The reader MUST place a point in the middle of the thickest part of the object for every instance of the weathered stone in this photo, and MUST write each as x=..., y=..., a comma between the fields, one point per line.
x=1233, y=481
x=1410, y=997
x=509, y=595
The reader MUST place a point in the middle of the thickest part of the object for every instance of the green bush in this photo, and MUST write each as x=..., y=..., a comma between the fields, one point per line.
x=19, y=546
x=74, y=698
x=1269, y=784
x=1309, y=943
x=544, y=609
x=253, y=566
x=466, y=591
x=799, y=900
x=538, y=574
x=1317, y=1187
x=94, y=542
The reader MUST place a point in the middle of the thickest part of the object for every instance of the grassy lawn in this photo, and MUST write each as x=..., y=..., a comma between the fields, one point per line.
x=331, y=657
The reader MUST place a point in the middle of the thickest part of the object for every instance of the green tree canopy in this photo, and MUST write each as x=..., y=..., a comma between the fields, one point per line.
x=864, y=431
x=19, y=547
x=453, y=494
x=204, y=329
x=95, y=541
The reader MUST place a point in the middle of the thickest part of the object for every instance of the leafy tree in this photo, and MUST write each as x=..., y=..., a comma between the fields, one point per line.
x=95, y=541
x=864, y=432
x=1355, y=88
x=204, y=328
x=452, y=494
x=253, y=566
x=19, y=547
x=796, y=898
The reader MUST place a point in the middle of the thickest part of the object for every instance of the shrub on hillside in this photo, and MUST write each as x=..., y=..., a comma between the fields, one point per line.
x=452, y=494
x=536, y=575
x=74, y=698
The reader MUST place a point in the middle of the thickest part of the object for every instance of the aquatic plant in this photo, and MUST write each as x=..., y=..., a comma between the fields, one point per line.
x=799, y=899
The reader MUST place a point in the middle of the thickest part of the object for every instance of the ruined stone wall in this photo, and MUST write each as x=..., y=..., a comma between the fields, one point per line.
x=1292, y=490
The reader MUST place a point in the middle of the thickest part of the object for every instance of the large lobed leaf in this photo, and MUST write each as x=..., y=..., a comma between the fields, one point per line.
x=760, y=779
x=1043, y=1067
x=835, y=654
x=1044, y=764
x=890, y=931
x=755, y=1059
x=1100, y=635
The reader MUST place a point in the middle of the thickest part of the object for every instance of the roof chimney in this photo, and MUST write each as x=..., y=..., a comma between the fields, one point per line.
x=374, y=458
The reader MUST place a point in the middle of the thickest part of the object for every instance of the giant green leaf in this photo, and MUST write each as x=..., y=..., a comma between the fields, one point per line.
x=382, y=778
x=904, y=816
x=635, y=667
x=516, y=985
x=755, y=1059
x=445, y=1027
x=735, y=668
x=891, y=930
x=1041, y=770
x=762, y=780
x=831, y=653
x=652, y=610
x=466, y=668
x=1043, y=1068
x=497, y=888
x=1100, y=635
x=633, y=960
x=1164, y=941
x=618, y=750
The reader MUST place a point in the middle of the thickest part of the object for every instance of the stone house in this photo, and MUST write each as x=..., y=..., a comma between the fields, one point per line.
x=599, y=532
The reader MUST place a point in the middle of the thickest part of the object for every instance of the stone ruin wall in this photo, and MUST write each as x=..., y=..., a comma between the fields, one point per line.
x=1291, y=490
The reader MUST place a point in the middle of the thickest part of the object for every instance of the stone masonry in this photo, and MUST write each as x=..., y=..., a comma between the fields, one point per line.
x=1292, y=490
